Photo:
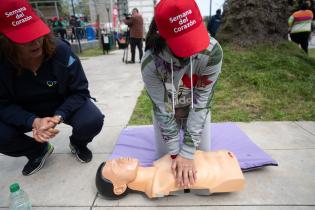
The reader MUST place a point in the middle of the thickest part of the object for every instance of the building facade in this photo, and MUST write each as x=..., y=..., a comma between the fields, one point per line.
x=106, y=9
x=103, y=8
x=49, y=8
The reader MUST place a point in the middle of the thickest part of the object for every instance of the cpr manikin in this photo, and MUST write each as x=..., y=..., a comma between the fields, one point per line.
x=217, y=171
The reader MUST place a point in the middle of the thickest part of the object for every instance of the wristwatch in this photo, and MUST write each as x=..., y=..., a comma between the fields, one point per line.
x=60, y=118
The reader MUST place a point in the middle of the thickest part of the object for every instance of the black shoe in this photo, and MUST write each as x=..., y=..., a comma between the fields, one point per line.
x=83, y=154
x=32, y=166
x=130, y=62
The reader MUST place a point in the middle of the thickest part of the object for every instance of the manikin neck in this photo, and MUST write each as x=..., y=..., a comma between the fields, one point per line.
x=143, y=181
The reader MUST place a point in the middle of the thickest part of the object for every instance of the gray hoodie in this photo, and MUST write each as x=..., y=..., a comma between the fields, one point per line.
x=168, y=82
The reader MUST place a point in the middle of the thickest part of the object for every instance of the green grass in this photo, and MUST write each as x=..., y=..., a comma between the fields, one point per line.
x=258, y=84
x=142, y=113
x=91, y=52
x=312, y=53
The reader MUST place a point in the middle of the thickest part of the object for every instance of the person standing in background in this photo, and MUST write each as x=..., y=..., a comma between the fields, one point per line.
x=135, y=23
x=300, y=26
x=59, y=28
x=214, y=23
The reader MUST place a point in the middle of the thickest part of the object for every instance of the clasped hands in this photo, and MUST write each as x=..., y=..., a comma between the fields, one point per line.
x=45, y=128
x=184, y=172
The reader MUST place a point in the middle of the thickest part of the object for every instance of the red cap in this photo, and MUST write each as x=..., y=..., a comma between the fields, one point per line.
x=180, y=24
x=19, y=22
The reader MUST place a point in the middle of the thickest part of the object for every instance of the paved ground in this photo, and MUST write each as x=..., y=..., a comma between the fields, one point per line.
x=64, y=183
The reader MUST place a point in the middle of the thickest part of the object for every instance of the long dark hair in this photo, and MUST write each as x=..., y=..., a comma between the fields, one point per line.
x=9, y=53
x=153, y=40
x=304, y=6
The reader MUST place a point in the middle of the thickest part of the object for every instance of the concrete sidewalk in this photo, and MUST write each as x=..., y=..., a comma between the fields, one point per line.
x=64, y=183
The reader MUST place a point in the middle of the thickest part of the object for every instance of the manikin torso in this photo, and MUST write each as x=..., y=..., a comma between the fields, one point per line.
x=216, y=172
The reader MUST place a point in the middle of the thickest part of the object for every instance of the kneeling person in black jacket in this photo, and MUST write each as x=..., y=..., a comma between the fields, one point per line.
x=42, y=84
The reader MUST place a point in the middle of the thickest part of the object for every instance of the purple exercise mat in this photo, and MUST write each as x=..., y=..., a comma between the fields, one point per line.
x=138, y=142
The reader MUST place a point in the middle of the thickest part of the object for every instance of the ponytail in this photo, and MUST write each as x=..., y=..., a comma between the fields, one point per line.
x=154, y=41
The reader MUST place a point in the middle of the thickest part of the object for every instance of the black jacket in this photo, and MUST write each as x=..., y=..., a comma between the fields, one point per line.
x=214, y=23
x=72, y=86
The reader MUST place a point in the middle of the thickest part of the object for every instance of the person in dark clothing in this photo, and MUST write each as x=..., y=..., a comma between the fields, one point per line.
x=214, y=23
x=42, y=84
x=135, y=23
x=300, y=26
x=58, y=28
x=73, y=24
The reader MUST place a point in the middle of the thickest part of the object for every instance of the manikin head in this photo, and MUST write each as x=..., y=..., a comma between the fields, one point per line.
x=113, y=176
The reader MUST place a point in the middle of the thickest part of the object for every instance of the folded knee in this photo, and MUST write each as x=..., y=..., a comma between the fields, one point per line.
x=8, y=135
x=89, y=126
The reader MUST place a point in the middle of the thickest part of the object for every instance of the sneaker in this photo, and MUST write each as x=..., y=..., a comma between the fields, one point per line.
x=130, y=62
x=32, y=166
x=83, y=154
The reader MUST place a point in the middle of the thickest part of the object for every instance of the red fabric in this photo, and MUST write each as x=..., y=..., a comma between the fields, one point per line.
x=199, y=82
x=203, y=81
x=180, y=23
x=186, y=80
x=19, y=22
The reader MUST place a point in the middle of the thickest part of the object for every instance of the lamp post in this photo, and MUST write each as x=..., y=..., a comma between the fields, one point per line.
x=73, y=11
x=108, y=17
x=210, y=8
x=75, y=28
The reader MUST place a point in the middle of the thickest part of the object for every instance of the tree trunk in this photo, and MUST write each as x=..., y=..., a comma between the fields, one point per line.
x=249, y=22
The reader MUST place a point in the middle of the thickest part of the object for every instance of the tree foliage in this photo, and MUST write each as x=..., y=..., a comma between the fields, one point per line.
x=249, y=22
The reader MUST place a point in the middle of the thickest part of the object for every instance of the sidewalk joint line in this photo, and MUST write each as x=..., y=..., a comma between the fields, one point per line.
x=94, y=201
x=304, y=129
